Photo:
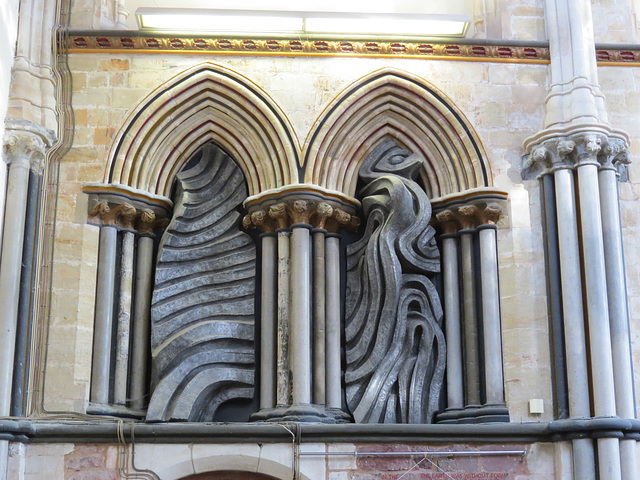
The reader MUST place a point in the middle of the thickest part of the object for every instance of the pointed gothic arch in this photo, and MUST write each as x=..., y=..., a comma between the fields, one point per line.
x=205, y=103
x=390, y=103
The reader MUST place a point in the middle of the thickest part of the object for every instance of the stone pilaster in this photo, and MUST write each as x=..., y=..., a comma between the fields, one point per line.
x=591, y=162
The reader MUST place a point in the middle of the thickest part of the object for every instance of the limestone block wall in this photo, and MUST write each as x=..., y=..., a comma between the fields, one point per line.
x=510, y=20
x=504, y=103
x=616, y=21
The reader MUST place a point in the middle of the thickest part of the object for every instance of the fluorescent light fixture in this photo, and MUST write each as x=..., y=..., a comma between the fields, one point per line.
x=256, y=22
x=406, y=25
x=195, y=20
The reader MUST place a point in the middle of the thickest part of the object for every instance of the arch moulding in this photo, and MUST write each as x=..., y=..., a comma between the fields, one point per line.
x=391, y=103
x=205, y=103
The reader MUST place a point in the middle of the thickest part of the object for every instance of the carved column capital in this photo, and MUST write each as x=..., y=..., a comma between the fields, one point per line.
x=127, y=217
x=125, y=208
x=469, y=210
x=146, y=220
x=323, y=212
x=299, y=211
x=26, y=143
x=301, y=208
x=447, y=222
x=584, y=148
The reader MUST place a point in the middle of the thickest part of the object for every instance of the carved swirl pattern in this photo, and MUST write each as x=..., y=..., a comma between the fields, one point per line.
x=395, y=347
x=202, y=314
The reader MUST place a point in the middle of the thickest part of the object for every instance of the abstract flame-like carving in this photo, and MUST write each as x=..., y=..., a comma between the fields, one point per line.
x=395, y=346
x=202, y=333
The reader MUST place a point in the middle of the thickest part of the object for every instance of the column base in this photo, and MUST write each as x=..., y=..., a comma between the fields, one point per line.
x=302, y=414
x=487, y=413
x=112, y=410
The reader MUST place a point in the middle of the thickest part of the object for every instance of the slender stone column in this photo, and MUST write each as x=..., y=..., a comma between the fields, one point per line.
x=319, y=317
x=10, y=270
x=144, y=260
x=124, y=307
x=597, y=303
x=141, y=319
x=469, y=215
x=283, y=386
x=268, y=307
x=618, y=311
x=452, y=321
x=494, y=381
x=103, y=326
x=269, y=314
x=24, y=146
x=575, y=338
x=333, y=311
x=300, y=306
x=26, y=303
x=472, y=363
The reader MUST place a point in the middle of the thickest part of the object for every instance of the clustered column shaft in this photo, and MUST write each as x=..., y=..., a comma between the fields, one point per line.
x=122, y=380
x=300, y=319
x=467, y=227
x=24, y=149
x=590, y=251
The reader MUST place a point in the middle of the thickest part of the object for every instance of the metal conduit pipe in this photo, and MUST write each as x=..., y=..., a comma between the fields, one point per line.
x=455, y=453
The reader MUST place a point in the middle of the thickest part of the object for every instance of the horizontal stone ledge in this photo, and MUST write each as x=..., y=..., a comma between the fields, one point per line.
x=105, y=431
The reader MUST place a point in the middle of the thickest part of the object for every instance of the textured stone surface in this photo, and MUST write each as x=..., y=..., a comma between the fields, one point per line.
x=395, y=347
x=202, y=311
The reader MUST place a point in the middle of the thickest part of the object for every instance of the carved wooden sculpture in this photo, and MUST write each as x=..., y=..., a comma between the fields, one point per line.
x=395, y=347
x=202, y=333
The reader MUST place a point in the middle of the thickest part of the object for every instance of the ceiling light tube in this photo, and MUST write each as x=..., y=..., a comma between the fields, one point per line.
x=257, y=22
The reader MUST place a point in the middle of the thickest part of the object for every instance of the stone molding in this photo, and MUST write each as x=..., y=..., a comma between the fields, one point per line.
x=590, y=148
x=140, y=42
x=127, y=217
x=301, y=208
x=160, y=208
x=26, y=142
x=469, y=210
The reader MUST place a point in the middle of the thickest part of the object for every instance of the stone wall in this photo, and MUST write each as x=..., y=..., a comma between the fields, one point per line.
x=169, y=462
x=504, y=102
x=616, y=21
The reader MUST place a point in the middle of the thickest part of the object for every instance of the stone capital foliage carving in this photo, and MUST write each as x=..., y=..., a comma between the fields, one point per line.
x=26, y=142
x=126, y=216
x=586, y=148
x=470, y=214
x=319, y=213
